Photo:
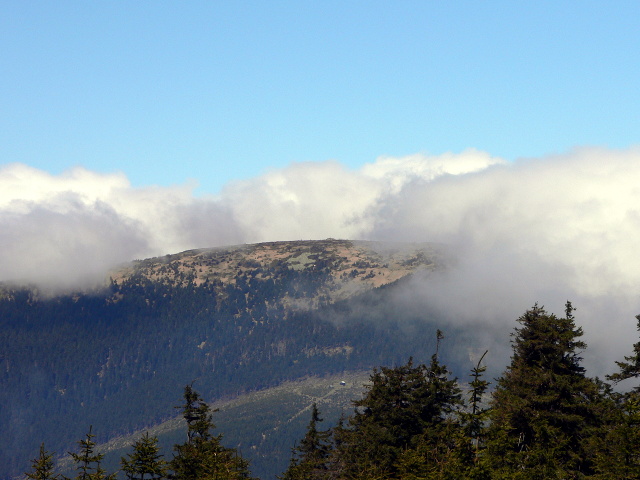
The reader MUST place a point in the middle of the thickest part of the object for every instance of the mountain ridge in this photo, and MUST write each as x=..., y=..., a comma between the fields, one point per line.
x=363, y=264
x=238, y=319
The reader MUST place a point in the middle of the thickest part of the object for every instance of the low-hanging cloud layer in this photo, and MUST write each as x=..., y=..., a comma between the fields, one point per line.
x=547, y=229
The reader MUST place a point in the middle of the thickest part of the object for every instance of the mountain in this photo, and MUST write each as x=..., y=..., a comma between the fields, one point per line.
x=233, y=320
x=262, y=425
x=334, y=269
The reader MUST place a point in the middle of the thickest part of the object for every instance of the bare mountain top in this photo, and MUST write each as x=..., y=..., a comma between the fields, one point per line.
x=349, y=266
x=236, y=319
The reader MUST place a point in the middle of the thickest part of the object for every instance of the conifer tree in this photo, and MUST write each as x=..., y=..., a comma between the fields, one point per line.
x=42, y=467
x=472, y=435
x=310, y=459
x=617, y=453
x=145, y=462
x=616, y=449
x=404, y=420
x=435, y=452
x=474, y=421
x=88, y=461
x=385, y=420
x=451, y=448
x=543, y=409
x=338, y=447
x=202, y=456
x=630, y=368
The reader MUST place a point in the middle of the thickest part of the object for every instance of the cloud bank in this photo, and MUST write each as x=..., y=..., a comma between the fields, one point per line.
x=546, y=229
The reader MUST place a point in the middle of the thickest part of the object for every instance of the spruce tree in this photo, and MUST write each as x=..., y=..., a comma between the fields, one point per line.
x=202, y=456
x=435, y=452
x=145, y=462
x=543, y=409
x=616, y=448
x=338, y=446
x=406, y=408
x=630, y=368
x=310, y=459
x=617, y=454
x=385, y=421
x=88, y=461
x=473, y=419
x=451, y=448
x=42, y=467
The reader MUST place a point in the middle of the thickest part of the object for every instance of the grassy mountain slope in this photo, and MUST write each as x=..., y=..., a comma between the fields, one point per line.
x=262, y=425
x=344, y=267
x=236, y=320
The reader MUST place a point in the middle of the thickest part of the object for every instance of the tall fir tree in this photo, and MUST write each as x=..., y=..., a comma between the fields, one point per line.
x=88, y=460
x=467, y=462
x=544, y=407
x=475, y=419
x=310, y=459
x=403, y=421
x=146, y=462
x=435, y=452
x=385, y=421
x=202, y=456
x=616, y=448
x=617, y=454
x=42, y=467
x=339, y=441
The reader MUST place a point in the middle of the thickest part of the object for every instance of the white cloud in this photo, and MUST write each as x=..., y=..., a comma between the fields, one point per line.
x=547, y=230
x=396, y=172
x=303, y=201
x=542, y=230
x=324, y=199
x=62, y=249
x=71, y=227
x=579, y=212
x=69, y=230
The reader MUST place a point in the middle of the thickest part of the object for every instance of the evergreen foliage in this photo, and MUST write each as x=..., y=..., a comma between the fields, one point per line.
x=202, y=456
x=543, y=409
x=146, y=462
x=630, y=368
x=474, y=421
x=616, y=448
x=546, y=420
x=310, y=459
x=617, y=453
x=436, y=451
x=404, y=421
x=88, y=461
x=42, y=467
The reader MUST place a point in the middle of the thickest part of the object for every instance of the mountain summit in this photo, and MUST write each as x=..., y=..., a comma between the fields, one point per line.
x=232, y=320
x=345, y=267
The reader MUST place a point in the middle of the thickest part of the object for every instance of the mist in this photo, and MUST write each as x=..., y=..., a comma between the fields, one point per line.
x=543, y=230
x=537, y=230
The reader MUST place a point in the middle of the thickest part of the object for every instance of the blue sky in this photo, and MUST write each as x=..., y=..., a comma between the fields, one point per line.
x=508, y=131
x=168, y=92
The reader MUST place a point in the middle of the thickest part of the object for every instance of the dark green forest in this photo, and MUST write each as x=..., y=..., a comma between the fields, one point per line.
x=118, y=358
x=542, y=419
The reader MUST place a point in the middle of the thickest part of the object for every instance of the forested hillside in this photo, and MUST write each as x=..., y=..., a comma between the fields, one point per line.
x=545, y=419
x=235, y=320
x=82, y=368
